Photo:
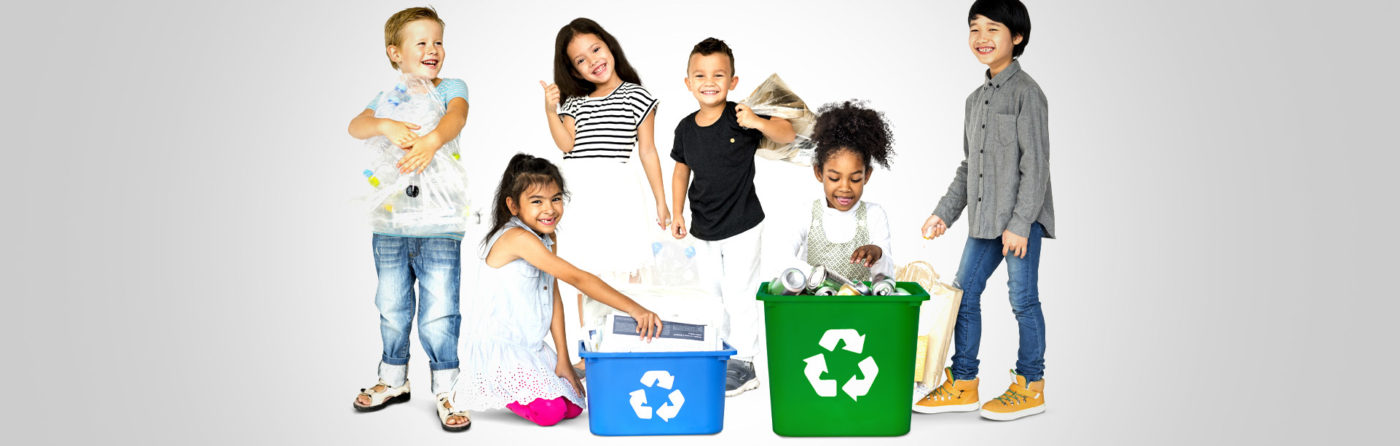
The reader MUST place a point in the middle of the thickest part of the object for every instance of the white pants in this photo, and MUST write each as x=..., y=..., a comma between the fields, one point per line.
x=729, y=269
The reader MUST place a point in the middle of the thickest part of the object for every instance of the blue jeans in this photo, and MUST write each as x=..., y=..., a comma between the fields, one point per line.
x=436, y=263
x=980, y=258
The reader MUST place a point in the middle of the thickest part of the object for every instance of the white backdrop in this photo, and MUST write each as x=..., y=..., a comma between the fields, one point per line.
x=186, y=262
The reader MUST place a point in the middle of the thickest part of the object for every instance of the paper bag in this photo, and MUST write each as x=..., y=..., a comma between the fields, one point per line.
x=942, y=310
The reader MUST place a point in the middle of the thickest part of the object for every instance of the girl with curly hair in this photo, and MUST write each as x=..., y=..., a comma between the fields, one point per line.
x=847, y=235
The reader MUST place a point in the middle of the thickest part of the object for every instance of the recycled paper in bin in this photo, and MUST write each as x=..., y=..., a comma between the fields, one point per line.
x=656, y=393
x=841, y=365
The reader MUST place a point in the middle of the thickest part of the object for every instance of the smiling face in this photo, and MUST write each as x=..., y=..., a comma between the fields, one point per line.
x=540, y=207
x=991, y=42
x=420, y=49
x=710, y=77
x=843, y=175
x=591, y=59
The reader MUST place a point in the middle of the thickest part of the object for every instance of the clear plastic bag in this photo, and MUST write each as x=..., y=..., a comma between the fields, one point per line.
x=433, y=201
x=670, y=278
x=774, y=98
x=673, y=264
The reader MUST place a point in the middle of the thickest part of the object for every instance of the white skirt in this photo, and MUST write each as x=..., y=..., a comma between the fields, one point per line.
x=497, y=373
x=609, y=220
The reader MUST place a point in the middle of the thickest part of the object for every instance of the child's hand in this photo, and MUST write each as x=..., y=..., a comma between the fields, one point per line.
x=678, y=226
x=566, y=371
x=934, y=227
x=867, y=255
x=663, y=216
x=399, y=133
x=648, y=323
x=746, y=117
x=551, y=98
x=420, y=154
x=1012, y=243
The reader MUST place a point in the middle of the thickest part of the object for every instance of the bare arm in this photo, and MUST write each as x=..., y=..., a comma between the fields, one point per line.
x=777, y=129
x=518, y=243
x=563, y=367
x=651, y=164
x=561, y=128
x=365, y=126
x=422, y=150
x=451, y=123
x=680, y=182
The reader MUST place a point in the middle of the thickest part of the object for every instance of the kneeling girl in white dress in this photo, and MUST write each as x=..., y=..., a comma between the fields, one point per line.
x=507, y=364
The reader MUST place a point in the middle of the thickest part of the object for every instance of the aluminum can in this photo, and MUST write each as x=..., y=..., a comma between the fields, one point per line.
x=790, y=283
x=885, y=287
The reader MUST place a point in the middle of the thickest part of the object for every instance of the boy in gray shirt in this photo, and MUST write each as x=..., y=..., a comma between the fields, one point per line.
x=1004, y=183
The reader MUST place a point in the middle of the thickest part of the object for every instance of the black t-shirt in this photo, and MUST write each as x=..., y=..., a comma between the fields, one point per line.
x=723, y=202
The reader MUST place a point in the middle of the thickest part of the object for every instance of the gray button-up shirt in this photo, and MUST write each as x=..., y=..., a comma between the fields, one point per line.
x=1004, y=179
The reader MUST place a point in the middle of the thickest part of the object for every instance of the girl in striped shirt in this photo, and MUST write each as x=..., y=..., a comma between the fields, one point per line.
x=604, y=114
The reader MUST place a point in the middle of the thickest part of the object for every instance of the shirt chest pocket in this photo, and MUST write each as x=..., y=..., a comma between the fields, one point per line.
x=1004, y=132
x=528, y=272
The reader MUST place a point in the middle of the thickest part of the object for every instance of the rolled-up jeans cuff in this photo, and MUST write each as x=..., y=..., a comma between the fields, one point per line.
x=393, y=374
x=443, y=379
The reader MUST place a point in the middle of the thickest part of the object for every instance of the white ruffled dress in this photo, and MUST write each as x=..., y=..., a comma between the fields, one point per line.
x=507, y=359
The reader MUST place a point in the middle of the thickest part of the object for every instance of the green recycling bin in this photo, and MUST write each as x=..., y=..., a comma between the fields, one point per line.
x=842, y=365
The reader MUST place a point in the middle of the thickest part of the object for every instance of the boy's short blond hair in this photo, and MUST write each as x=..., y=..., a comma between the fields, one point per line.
x=400, y=19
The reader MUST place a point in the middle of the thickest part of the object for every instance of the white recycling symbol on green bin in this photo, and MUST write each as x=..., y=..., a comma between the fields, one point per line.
x=816, y=365
x=664, y=380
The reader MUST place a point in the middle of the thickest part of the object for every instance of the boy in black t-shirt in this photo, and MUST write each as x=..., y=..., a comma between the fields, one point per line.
x=717, y=144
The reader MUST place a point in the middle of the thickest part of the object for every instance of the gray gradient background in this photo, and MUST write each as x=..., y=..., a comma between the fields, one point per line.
x=185, y=262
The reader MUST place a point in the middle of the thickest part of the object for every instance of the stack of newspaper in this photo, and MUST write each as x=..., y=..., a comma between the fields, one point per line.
x=619, y=335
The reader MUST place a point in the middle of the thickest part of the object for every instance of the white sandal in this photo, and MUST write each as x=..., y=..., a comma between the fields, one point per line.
x=444, y=412
x=383, y=398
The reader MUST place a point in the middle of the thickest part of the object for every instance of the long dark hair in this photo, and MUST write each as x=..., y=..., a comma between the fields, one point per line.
x=569, y=82
x=522, y=172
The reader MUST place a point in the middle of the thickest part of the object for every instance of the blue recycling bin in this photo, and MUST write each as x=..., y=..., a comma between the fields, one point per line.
x=655, y=393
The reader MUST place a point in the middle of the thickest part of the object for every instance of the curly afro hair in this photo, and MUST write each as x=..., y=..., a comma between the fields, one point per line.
x=851, y=126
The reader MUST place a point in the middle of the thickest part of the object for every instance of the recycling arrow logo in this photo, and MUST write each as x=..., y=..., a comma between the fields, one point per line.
x=668, y=410
x=816, y=365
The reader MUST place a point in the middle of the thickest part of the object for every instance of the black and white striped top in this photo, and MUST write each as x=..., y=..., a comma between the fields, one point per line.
x=606, y=127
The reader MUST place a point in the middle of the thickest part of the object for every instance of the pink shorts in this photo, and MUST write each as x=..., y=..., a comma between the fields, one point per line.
x=546, y=412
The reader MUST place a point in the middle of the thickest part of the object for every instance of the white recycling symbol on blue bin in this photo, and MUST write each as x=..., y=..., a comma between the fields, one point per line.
x=667, y=411
x=816, y=365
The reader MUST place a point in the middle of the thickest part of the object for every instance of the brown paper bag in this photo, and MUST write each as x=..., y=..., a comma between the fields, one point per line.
x=942, y=309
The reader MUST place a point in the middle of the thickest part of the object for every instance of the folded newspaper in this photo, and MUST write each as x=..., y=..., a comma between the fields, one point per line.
x=619, y=335
x=774, y=98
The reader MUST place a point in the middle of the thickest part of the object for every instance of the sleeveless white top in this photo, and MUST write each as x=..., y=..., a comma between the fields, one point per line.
x=506, y=359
